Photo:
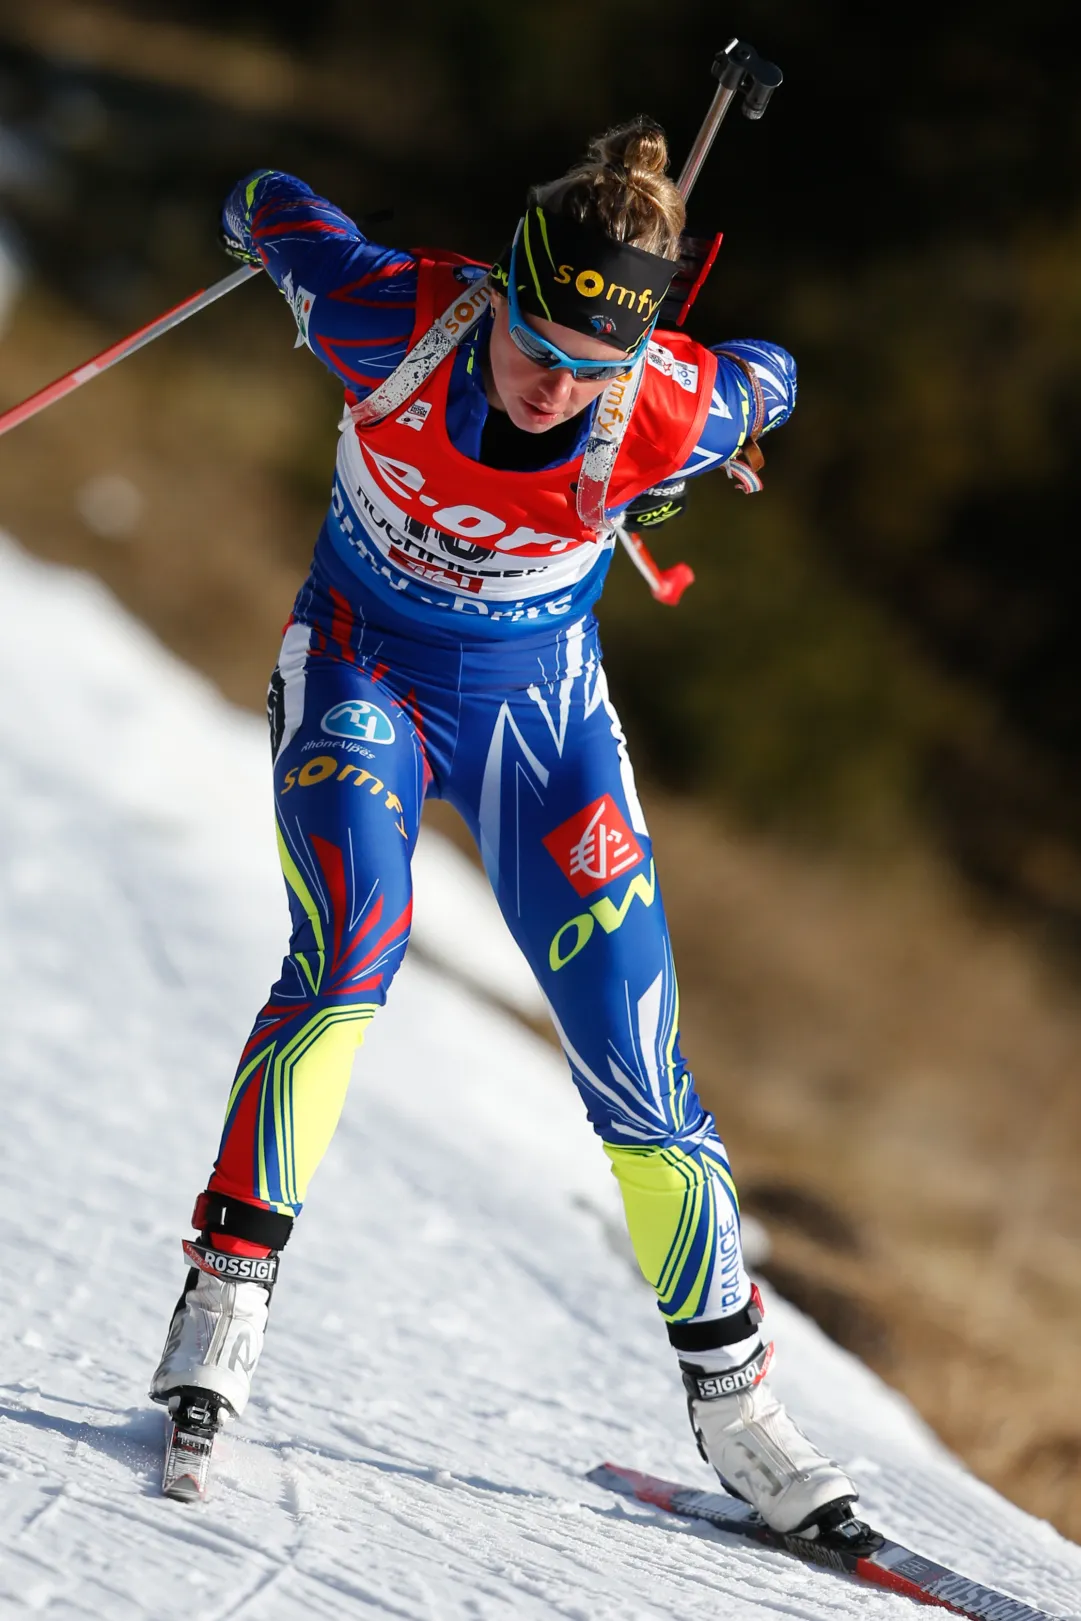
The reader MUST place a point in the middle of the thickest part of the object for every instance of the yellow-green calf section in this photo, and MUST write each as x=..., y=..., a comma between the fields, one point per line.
x=670, y=1199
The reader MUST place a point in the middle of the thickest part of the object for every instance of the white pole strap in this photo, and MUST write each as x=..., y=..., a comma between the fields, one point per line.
x=602, y=447
x=426, y=355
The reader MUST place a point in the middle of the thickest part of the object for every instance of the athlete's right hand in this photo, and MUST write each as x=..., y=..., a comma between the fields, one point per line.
x=236, y=249
x=235, y=230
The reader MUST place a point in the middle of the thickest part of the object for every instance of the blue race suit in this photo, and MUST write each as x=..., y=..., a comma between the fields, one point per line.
x=385, y=693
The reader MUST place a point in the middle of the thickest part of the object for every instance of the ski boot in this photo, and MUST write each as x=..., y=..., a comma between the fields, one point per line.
x=759, y=1453
x=217, y=1327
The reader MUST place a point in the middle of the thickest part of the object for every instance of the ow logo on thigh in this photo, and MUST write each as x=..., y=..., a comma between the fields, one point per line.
x=574, y=936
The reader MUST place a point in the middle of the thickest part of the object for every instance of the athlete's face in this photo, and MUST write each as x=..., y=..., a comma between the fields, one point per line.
x=533, y=398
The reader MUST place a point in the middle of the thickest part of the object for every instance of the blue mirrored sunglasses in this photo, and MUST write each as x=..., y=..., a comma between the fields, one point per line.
x=543, y=353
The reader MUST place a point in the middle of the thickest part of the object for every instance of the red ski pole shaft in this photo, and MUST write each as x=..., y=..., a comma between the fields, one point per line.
x=666, y=584
x=120, y=351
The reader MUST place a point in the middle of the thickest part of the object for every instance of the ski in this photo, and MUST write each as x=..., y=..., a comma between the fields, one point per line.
x=189, y=1446
x=851, y=1547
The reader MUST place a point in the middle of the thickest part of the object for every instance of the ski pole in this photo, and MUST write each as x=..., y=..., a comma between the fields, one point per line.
x=666, y=584
x=739, y=70
x=127, y=346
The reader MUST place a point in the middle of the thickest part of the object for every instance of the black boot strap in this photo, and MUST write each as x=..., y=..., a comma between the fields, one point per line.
x=235, y=1218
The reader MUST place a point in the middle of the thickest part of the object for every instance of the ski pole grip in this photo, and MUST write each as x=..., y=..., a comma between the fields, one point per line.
x=739, y=67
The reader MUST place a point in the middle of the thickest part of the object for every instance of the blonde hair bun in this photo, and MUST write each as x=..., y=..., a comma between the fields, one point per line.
x=622, y=186
x=638, y=148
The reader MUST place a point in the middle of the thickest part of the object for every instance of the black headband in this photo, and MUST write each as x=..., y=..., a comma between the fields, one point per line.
x=575, y=275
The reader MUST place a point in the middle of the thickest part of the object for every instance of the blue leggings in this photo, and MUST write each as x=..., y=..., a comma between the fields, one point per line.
x=529, y=750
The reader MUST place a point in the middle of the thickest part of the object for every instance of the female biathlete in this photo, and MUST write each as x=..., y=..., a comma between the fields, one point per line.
x=497, y=424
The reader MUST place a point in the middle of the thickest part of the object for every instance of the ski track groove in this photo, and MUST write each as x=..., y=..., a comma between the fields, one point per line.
x=289, y=1565
x=56, y=1499
x=536, y=1579
x=238, y=1607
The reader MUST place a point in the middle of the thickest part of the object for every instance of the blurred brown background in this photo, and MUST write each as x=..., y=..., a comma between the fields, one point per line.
x=859, y=735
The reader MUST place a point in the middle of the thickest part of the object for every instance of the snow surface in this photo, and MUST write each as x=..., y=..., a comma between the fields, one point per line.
x=457, y=1335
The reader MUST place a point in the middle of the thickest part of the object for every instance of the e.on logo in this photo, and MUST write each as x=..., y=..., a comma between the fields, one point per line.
x=461, y=518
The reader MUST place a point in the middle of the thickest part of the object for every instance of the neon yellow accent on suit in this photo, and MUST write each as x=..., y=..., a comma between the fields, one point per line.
x=240, y=1079
x=677, y=1098
x=304, y=896
x=745, y=423
x=313, y=1091
x=305, y=1086
x=671, y=1202
x=253, y=184
x=313, y=978
x=264, y=1185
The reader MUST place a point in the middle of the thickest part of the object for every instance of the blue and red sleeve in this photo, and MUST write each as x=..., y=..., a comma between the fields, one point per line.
x=353, y=301
x=354, y=304
x=737, y=408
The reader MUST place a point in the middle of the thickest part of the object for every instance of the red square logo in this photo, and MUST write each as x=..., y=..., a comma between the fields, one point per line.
x=593, y=846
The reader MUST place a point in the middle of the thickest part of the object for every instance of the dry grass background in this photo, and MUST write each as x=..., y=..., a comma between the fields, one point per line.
x=895, y=1071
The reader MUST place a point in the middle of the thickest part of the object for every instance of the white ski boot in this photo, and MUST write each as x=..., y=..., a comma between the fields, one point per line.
x=760, y=1455
x=216, y=1333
